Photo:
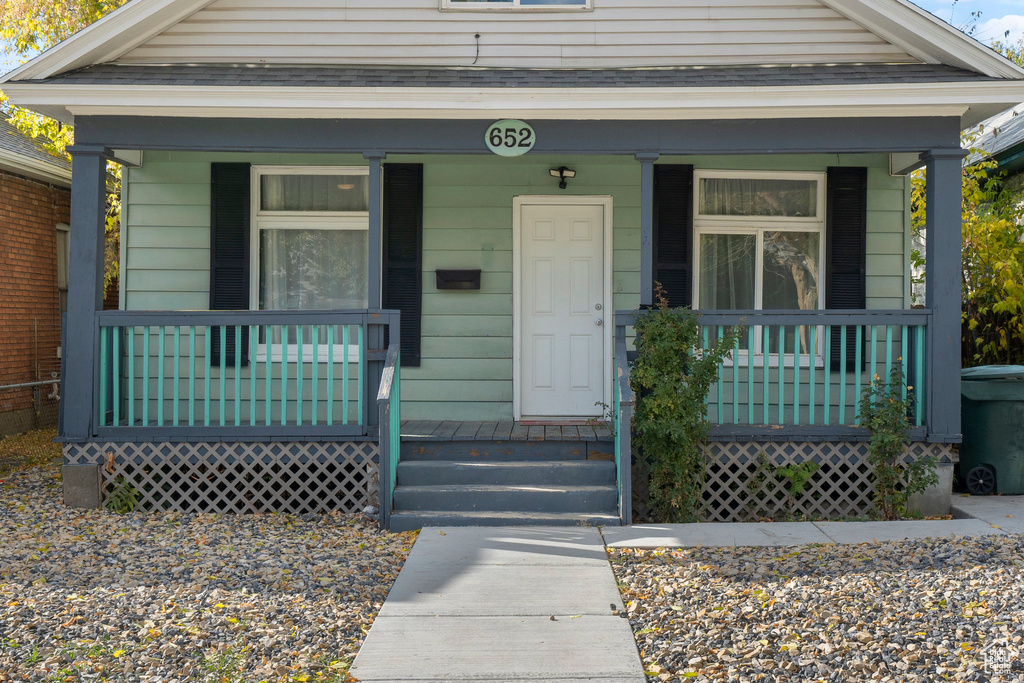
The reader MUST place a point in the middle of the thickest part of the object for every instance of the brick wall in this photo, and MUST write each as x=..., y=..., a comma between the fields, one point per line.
x=29, y=303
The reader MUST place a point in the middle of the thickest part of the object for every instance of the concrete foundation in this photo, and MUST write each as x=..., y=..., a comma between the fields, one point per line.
x=82, y=487
x=935, y=500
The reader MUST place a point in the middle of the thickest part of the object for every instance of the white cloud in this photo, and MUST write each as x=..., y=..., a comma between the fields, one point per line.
x=993, y=29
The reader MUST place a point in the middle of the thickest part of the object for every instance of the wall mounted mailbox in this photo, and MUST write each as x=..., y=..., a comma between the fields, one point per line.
x=458, y=279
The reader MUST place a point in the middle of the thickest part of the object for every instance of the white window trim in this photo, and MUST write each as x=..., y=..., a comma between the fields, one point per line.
x=298, y=220
x=513, y=6
x=757, y=225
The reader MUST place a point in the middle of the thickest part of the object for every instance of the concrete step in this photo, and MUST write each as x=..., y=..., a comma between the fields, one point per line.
x=505, y=498
x=410, y=521
x=507, y=451
x=566, y=472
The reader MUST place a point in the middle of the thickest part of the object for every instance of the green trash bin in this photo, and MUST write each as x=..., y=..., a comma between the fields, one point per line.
x=992, y=408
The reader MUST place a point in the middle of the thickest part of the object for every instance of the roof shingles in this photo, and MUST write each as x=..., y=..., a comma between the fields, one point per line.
x=219, y=75
x=15, y=142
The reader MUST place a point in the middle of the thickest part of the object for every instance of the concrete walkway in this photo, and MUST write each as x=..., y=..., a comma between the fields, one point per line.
x=502, y=604
x=1005, y=512
x=771, y=534
x=542, y=604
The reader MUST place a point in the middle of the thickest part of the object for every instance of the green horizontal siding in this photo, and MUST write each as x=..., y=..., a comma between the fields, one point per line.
x=466, y=370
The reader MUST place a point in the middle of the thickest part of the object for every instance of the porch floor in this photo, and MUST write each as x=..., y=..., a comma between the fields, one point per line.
x=454, y=430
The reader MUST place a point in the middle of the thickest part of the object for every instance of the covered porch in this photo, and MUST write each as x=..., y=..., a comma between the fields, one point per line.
x=268, y=407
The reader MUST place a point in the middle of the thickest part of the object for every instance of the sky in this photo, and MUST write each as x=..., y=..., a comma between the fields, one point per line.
x=996, y=17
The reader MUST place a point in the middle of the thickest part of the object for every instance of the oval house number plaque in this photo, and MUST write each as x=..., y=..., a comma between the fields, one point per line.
x=510, y=138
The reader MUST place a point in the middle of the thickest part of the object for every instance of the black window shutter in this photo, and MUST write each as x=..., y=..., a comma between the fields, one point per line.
x=403, y=253
x=673, y=232
x=846, y=242
x=229, y=252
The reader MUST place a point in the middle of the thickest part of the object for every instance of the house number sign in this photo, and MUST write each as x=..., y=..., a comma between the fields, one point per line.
x=510, y=138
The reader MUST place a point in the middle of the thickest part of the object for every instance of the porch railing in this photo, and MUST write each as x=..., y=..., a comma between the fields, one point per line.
x=622, y=412
x=805, y=370
x=276, y=374
x=389, y=405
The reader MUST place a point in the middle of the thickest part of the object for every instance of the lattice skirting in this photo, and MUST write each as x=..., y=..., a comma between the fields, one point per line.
x=743, y=484
x=294, y=477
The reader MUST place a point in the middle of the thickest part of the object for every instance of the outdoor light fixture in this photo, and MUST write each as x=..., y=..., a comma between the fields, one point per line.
x=563, y=174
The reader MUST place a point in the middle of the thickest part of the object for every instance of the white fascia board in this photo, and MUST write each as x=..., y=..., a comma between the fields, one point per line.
x=925, y=36
x=894, y=99
x=108, y=38
x=34, y=168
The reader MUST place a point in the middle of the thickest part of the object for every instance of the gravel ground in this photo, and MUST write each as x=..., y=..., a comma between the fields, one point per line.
x=911, y=611
x=165, y=598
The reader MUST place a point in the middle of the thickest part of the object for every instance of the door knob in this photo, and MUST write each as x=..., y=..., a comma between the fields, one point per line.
x=599, y=322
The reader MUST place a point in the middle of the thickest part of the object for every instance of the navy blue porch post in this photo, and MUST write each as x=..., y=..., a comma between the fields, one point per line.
x=944, y=274
x=85, y=289
x=375, y=334
x=647, y=228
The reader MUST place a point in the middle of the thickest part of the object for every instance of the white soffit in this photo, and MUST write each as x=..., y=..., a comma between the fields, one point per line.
x=898, y=21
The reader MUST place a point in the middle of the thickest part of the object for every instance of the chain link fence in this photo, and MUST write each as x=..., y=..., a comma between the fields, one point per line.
x=30, y=383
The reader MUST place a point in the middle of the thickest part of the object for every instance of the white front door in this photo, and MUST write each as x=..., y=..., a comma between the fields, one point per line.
x=562, y=309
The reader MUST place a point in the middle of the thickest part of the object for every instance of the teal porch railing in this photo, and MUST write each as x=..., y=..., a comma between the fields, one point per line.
x=801, y=373
x=224, y=374
x=389, y=405
x=808, y=368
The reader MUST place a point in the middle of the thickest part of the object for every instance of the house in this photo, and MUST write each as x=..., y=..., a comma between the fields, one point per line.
x=1001, y=138
x=35, y=204
x=381, y=250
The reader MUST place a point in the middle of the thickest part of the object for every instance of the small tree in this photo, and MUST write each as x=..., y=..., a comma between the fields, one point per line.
x=993, y=251
x=28, y=27
x=883, y=411
x=672, y=376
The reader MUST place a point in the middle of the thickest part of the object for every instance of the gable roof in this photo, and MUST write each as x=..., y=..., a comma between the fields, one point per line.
x=24, y=156
x=944, y=73
x=904, y=25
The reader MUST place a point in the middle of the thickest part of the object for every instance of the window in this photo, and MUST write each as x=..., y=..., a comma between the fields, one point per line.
x=310, y=244
x=759, y=244
x=63, y=258
x=515, y=4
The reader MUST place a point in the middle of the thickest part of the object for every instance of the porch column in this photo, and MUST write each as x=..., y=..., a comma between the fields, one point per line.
x=647, y=228
x=85, y=289
x=375, y=336
x=944, y=192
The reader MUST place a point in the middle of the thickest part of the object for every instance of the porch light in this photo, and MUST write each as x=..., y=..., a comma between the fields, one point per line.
x=563, y=174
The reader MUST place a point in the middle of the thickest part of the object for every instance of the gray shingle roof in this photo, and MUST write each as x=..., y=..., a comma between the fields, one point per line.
x=368, y=77
x=14, y=141
x=1002, y=135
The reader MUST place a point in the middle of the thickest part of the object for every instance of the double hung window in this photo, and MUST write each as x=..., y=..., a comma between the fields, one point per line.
x=309, y=245
x=759, y=245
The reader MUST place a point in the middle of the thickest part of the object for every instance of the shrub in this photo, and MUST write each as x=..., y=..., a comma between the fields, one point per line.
x=883, y=411
x=672, y=377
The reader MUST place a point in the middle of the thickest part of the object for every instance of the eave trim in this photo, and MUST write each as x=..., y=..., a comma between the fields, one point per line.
x=895, y=99
x=108, y=38
x=34, y=168
x=925, y=36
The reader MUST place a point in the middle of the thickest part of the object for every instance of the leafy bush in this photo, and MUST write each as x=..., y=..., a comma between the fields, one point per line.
x=883, y=411
x=124, y=497
x=993, y=262
x=672, y=377
x=797, y=476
